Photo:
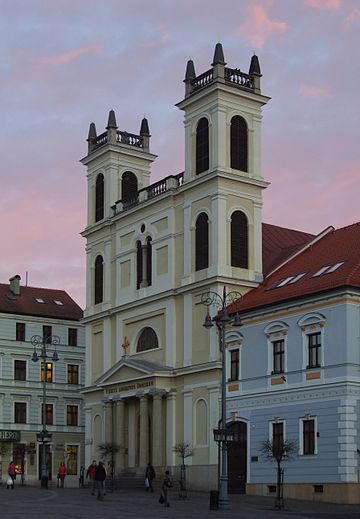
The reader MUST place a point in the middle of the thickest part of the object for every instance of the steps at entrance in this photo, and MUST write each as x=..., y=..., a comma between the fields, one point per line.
x=131, y=480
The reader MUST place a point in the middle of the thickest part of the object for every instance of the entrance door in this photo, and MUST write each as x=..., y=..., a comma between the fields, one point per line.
x=237, y=459
x=48, y=458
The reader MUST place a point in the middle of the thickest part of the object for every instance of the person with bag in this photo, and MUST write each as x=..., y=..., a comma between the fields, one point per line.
x=90, y=473
x=12, y=475
x=100, y=476
x=149, y=477
x=167, y=484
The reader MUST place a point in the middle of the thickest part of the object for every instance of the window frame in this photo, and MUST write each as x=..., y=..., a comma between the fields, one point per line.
x=49, y=372
x=239, y=240
x=99, y=279
x=202, y=146
x=278, y=356
x=72, y=410
x=234, y=364
x=71, y=372
x=72, y=337
x=20, y=412
x=202, y=241
x=49, y=413
x=20, y=333
x=239, y=143
x=99, y=197
x=17, y=369
x=314, y=350
x=302, y=432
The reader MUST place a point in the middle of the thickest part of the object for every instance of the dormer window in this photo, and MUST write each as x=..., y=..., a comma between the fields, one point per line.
x=39, y=300
x=58, y=302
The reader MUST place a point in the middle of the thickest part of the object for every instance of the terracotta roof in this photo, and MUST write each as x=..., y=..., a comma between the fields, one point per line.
x=29, y=303
x=305, y=274
x=279, y=244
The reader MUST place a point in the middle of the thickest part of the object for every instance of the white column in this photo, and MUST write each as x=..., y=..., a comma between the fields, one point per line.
x=214, y=416
x=219, y=139
x=187, y=241
x=188, y=431
x=257, y=234
x=89, y=438
x=144, y=432
x=131, y=434
x=109, y=421
x=157, y=430
x=107, y=272
x=170, y=333
x=170, y=429
x=219, y=235
x=107, y=344
x=188, y=332
x=88, y=354
x=120, y=434
x=89, y=279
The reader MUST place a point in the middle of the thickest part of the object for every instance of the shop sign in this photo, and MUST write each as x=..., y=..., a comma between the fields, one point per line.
x=9, y=436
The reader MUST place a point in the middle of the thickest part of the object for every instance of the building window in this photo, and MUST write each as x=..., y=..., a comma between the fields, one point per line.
x=72, y=336
x=202, y=242
x=49, y=372
x=73, y=374
x=239, y=240
x=49, y=413
x=148, y=260
x=278, y=356
x=20, y=331
x=278, y=436
x=308, y=436
x=47, y=334
x=72, y=460
x=129, y=189
x=202, y=146
x=148, y=340
x=234, y=364
x=72, y=415
x=20, y=412
x=20, y=370
x=99, y=197
x=99, y=279
x=239, y=143
x=139, y=263
x=314, y=349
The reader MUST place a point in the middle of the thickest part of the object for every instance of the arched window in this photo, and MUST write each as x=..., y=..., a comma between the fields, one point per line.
x=202, y=242
x=139, y=264
x=147, y=340
x=202, y=146
x=99, y=279
x=239, y=143
x=239, y=240
x=99, y=197
x=129, y=188
x=148, y=260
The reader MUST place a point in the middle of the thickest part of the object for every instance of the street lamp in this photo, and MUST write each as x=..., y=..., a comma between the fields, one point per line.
x=44, y=436
x=221, y=435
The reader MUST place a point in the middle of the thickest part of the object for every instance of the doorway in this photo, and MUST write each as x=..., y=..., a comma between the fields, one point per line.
x=237, y=459
x=48, y=458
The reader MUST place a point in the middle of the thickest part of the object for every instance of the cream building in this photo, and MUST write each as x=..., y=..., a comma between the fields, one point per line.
x=152, y=370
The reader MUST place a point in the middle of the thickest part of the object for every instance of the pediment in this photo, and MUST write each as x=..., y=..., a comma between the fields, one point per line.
x=127, y=370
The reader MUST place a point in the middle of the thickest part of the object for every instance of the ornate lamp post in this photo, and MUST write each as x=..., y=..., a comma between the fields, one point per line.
x=44, y=436
x=221, y=435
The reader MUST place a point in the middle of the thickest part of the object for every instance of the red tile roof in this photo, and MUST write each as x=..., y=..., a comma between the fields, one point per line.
x=336, y=246
x=26, y=304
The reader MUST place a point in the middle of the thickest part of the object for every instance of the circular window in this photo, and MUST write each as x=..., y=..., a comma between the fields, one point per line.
x=142, y=228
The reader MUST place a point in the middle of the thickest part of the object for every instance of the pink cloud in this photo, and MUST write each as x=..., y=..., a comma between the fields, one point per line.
x=325, y=4
x=352, y=17
x=72, y=55
x=314, y=91
x=257, y=28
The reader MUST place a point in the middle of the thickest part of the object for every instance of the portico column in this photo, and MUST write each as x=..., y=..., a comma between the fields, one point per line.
x=170, y=428
x=157, y=431
x=108, y=409
x=144, y=432
x=120, y=431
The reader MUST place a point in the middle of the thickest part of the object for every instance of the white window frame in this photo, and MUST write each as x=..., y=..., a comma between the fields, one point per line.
x=301, y=437
x=309, y=324
x=276, y=331
x=233, y=341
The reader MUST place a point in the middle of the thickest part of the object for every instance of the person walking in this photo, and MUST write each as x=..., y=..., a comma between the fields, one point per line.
x=167, y=484
x=81, y=476
x=100, y=476
x=90, y=473
x=62, y=473
x=12, y=475
x=149, y=477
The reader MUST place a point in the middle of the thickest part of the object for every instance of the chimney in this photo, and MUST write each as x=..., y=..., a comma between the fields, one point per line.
x=15, y=285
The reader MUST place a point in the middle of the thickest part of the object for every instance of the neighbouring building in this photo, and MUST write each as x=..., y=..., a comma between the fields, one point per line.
x=294, y=373
x=30, y=315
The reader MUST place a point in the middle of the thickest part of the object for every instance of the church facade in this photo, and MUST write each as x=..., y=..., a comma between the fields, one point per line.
x=153, y=372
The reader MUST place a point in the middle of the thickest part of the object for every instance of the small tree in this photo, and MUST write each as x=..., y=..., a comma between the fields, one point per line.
x=107, y=452
x=279, y=451
x=183, y=450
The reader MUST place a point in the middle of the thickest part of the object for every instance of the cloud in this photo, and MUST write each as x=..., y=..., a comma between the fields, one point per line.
x=332, y=5
x=257, y=27
x=352, y=17
x=314, y=91
x=71, y=55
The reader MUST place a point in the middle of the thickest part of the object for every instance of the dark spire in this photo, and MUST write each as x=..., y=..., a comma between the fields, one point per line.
x=254, y=66
x=144, y=129
x=218, y=55
x=190, y=71
x=111, y=120
x=92, y=132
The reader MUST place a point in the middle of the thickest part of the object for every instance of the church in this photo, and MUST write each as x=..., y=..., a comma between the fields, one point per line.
x=153, y=371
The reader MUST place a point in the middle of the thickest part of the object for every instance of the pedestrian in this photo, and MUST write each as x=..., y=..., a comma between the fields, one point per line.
x=90, y=473
x=167, y=484
x=81, y=476
x=62, y=473
x=100, y=476
x=149, y=477
x=12, y=475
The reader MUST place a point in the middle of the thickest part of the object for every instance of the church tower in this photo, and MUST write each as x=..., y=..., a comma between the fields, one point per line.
x=153, y=372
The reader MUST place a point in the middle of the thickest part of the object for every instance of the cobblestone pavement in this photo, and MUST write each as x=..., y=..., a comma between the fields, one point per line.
x=70, y=503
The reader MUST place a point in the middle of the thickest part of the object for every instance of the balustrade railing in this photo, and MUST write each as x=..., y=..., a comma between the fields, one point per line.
x=129, y=138
x=204, y=79
x=234, y=75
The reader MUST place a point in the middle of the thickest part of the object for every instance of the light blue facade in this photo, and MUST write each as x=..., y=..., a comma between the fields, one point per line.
x=329, y=394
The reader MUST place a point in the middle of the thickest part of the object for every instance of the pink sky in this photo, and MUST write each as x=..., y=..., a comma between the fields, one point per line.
x=64, y=64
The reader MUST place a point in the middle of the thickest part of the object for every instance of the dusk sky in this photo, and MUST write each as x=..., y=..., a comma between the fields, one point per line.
x=66, y=63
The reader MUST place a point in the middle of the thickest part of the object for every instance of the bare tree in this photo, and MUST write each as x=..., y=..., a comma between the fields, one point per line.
x=183, y=450
x=107, y=452
x=279, y=451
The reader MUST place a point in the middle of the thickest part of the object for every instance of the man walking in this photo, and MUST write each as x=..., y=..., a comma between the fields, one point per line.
x=90, y=473
x=150, y=475
x=100, y=476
